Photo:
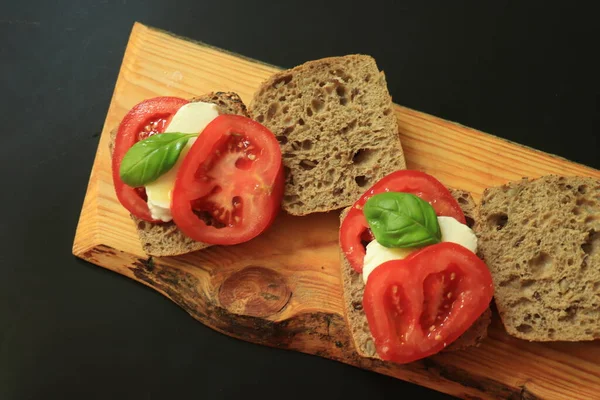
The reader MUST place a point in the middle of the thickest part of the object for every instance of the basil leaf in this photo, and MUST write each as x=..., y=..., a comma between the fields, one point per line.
x=402, y=220
x=148, y=159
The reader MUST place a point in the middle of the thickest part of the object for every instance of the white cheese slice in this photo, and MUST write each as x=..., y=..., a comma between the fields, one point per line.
x=190, y=118
x=451, y=229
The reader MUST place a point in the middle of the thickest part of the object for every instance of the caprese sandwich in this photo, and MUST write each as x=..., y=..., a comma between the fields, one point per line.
x=195, y=173
x=413, y=284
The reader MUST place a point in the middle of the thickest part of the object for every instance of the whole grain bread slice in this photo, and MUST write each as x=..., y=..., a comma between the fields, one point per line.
x=165, y=239
x=354, y=289
x=336, y=126
x=541, y=241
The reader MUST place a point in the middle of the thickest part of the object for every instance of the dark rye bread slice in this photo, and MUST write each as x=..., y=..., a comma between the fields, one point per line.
x=541, y=240
x=165, y=239
x=335, y=122
x=354, y=289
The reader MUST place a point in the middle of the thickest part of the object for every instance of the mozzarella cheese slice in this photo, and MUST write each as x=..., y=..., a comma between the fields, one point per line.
x=455, y=232
x=451, y=229
x=190, y=118
x=378, y=254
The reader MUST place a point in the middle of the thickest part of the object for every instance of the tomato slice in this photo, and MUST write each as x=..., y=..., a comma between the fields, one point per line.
x=417, y=306
x=150, y=117
x=418, y=183
x=229, y=186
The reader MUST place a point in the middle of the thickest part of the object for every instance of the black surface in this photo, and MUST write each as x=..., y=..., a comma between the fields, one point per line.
x=71, y=329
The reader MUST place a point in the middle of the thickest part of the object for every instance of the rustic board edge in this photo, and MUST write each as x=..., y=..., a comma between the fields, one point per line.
x=314, y=333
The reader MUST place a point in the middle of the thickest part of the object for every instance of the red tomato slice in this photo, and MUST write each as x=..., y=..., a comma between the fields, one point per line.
x=417, y=306
x=418, y=183
x=150, y=117
x=229, y=187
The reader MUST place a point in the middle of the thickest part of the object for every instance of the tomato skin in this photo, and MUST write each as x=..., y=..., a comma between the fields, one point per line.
x=400, y=296
x=233, y=172
x=408, y=181
x=127, y=135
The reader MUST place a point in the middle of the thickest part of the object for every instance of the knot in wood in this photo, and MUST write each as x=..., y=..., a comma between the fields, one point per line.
x=254, y=291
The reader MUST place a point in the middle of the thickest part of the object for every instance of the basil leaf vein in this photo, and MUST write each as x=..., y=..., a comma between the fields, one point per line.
x=402, y=220
x=150, y=158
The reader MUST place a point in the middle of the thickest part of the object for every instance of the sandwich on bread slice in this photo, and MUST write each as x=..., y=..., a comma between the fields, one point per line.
x=393, y=327
x=197, y=188
x=354, y=288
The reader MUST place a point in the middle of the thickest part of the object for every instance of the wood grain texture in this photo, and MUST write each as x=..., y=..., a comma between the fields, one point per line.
x=283, y=288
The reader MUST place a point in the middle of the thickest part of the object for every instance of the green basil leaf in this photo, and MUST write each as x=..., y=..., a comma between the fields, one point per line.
x=402, y=220
x=148, y=159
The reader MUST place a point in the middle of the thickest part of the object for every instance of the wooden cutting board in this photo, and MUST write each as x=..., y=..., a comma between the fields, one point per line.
x=283, y=289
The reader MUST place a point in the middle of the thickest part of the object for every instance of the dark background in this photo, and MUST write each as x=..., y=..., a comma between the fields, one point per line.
x=71, y=330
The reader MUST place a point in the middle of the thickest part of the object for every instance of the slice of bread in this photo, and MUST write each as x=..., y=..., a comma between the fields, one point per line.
x=165, y=239
x=353, y=299
x=335, y=122
x=541, y=240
